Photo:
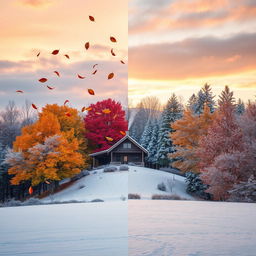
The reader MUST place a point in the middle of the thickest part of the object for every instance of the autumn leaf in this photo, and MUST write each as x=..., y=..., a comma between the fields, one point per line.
x=20, y=91
x=57, y=73
x=83, y=109
x=34, y=106
x=122, y=61
x=38, y=54
x=67, y=56
x=111, y=75
x=123, y=133
x=68, y=114
x=66, y=101
x=94, y=72
x=109, y=138
x=47, y=182
x=81, y=77
x=112, y=39
x=91, y=91
x=42, y=80
x=49, y=87
x=106, y=111
x=91, y=18
x=115, y=116
x=88, y=108
x=98, y=113
x=30, y=190
x=94, y=65
x=87, y=45
x=55, y=52
x=112, y=52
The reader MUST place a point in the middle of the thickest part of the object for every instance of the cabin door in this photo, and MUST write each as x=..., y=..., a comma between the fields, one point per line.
x=125, y=159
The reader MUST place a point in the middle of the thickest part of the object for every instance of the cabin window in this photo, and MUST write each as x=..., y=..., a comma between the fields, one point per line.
x=127, y=145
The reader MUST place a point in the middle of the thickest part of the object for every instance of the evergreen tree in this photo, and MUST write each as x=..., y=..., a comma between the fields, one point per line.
x=146, y=135
x=172, y=112
x=192, y=102
x=240, y=108
x=152, y=146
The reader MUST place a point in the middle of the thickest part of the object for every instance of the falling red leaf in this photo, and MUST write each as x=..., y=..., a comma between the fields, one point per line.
x=106, y=111
x=94, y=72
x=112, y=39
x=20, y=91
x=42, y=80
x=91, y=91
x=83, y=109
x=49, y=87
x=122, y=61
x=81, y=77
x=55, y=52
x=34, y=106
x=67, y=56
x=94, y=65
x=115, y=116
x=91, y=18
x=109, y=138
x=66, y=101
x=30, y=190
x=87, y=45
x=123, y=133
x=57, y=73
x=112, y=52
x=68, y=114
x=88, y=108
x=111, y=75
x=38, y=54
x=98, y=113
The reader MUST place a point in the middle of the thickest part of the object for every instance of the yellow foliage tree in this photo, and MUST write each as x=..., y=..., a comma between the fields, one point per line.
x=188, y=131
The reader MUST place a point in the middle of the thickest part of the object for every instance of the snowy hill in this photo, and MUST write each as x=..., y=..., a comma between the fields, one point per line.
x=115, y=186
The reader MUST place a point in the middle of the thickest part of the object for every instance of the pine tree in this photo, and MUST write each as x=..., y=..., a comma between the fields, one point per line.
x=152, y=146
x=146, y=135
x=172, y=112
x=240, y=107
x=192, y=102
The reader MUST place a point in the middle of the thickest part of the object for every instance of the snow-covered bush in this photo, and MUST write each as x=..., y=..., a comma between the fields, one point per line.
x=161, y=186
x=195, y=186
x=124, y=168
x=97, y=200
x=167, y=197
x=110, y=169
x=133, y=196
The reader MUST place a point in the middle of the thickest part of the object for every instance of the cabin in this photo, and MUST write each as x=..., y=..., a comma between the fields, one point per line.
x=124, y=151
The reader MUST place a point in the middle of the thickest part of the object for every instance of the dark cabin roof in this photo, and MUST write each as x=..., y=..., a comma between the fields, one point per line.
x=118, y=143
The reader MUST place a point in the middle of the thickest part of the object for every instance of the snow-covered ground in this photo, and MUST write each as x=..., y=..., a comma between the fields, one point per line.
x=116, y=186
x=191, y=228
x=81, y=229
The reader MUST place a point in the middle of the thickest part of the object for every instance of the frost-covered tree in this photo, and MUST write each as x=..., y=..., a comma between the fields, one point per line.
x=204, y=96
x=146, y=135
x=152, y=146
x=240, y=107
x=172, y=112
x=192, y=102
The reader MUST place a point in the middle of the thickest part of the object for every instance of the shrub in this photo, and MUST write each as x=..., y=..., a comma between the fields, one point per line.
x=110, y=169
x=161, y=186
x=167, y=197
x=133, y=196
x=124, y=168
x=97, y=200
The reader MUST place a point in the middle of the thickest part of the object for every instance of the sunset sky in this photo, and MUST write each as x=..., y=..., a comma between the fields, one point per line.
x=30, y=26
x=178, y=45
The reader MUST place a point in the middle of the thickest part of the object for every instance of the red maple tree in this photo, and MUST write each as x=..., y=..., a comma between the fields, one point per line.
x=104, y=121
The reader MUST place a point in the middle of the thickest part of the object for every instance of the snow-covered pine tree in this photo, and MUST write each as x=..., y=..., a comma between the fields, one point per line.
x=192, y=102
x=204, y=96
x=146, y=135
x=240, y=107
x=172, y=112
x=152, y=146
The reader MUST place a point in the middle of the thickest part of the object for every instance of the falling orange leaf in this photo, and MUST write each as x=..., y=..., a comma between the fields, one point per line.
x=42, y=80
x=88, y=109
x=111, y=75
x=81, y=77
x=55, y=52
x=122, y=61
x=30, y=190
x=87, y=45
x=47, y=182
x=20, y=91
x=34, y=106
x=91, y=18
x=112, y=39
x=94, y=65
x=83, y=109
x=68, y=114
x=112, y=52
x=91, y=91
x=66, y=101
x=49, y=87
x=94, y=72
x=123, y=133
x=106, y=111
x=67, y=56
x=38, y=54
x=57, y=73
x=109, y=138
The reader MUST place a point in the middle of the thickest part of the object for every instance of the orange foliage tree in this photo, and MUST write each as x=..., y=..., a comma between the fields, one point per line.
x=188, y=131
